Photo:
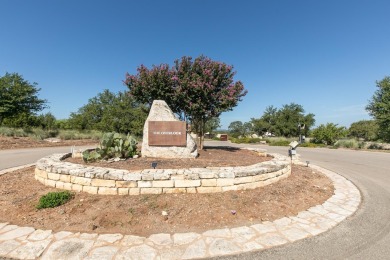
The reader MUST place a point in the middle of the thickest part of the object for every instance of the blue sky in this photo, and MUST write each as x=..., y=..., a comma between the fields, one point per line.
x=323, y=55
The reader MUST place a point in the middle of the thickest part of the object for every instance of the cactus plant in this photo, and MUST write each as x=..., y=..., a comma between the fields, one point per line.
x=112, y=145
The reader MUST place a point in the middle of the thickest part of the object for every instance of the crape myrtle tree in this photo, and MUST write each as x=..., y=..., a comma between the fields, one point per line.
x=197, y=90
x=379, y=108
x=19, y=100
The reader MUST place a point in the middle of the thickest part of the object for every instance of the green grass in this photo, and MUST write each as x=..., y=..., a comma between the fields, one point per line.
x=279, y=141
x=79, y=135
x=245, y=140
x=348, y=143
x=40, y=134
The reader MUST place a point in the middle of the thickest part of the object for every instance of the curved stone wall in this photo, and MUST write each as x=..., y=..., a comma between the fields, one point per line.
x=52, y=171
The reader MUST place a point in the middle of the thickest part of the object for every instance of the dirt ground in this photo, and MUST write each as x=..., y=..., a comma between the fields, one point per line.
x=143, y=215
x=26, y=142
x=208, y=157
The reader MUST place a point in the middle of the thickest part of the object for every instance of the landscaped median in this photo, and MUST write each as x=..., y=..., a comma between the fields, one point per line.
x=54, y=172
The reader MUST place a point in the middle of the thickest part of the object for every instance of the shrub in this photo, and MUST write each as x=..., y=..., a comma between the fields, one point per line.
x=347, y=143
x=6, y=131
x=311, y=145
x=375, y=146
x=280, y=143
x=54, y=199
x=245, y=140
x=112, y=145
x=78, y=135
x=328, y=134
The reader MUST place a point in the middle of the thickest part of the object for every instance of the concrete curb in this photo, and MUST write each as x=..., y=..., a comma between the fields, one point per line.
x=29, y=243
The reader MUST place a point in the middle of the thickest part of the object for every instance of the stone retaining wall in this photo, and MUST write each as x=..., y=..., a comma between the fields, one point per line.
x=52, y=171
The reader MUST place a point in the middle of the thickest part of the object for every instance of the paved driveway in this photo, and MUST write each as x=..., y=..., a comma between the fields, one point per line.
x=366, y=235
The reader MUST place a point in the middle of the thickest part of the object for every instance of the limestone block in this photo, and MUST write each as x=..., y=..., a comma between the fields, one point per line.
x=50, y=183
x=174, y=190
x=145, y=184
x=126, y=184
x=77, y=187
x=225, y=182
x=53, y=176
x=209, y=183
x=90, y=189
x=229, y=188
x=207, y=175
x=241, y=180
x=107, y=191
x=151, y=191
x=102, y=183
x=65, y=178
x=160, y=111
x=147, y=176
x=187, y=183
x=163, y=184
x=67, y=186
x=40, y=173
x=60, y=185
x=40, y=179
x=132, y=177
x=123, y=191
x=177, y=177
x=82, y=181
x=191, y=190
x=226, y=174
x=134, y=191
x=260, y=177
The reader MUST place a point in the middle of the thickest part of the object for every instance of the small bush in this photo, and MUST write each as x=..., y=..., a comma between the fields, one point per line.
x=375, y=146
x=245, y=140
x=54, y=199
x=347, y=143
x=311, y=145
x=79, y=135
x=15, y=132
x=280, y=143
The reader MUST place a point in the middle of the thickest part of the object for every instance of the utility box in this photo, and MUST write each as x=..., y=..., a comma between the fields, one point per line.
x=292, y=152
x=223, y=137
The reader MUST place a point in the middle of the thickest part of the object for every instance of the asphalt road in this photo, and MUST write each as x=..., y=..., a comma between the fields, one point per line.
x=365, y=235
x=19, y=157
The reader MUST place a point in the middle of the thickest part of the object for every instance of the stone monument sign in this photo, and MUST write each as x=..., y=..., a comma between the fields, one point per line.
x=167, y=133
x=165, y=136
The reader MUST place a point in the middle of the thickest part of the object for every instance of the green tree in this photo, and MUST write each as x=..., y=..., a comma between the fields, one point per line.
x=63, y=124
x=284, y=121
x=328, y=134
x=47, y=121
x=365, y=129
x=237, y=128
x=212, y=125
x=379, y=108
x=18, y=99
x=197, y=90
x=110, y=112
